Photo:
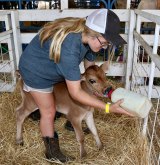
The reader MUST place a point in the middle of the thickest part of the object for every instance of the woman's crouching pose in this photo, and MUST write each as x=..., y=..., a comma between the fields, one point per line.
x=54, y=56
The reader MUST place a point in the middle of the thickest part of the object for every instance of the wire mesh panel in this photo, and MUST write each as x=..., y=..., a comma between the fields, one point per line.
x=146, y=80
x=7, y=60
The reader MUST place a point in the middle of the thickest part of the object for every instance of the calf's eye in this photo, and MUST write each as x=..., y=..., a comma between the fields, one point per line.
x=92, y=81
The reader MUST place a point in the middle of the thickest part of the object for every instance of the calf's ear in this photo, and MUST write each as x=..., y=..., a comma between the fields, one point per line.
x=105, y=66
x=83, y=78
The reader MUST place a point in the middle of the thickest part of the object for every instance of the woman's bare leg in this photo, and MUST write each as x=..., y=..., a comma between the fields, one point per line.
x=46, y=104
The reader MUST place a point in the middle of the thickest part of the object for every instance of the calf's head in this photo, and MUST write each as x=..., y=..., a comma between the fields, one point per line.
x=95, y=79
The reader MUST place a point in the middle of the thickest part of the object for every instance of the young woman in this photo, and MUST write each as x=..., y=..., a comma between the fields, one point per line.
x=54, y=55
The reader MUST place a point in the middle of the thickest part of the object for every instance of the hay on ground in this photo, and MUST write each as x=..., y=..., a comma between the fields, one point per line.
x=123, y=143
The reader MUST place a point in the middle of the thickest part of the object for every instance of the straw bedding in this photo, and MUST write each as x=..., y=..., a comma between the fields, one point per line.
x=123, y=143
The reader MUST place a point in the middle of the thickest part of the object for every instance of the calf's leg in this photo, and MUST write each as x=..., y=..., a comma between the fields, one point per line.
x=21, y=114
x=76, y=123
x=91, y=125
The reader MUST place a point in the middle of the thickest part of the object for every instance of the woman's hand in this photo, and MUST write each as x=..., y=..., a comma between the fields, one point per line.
x=115, y=108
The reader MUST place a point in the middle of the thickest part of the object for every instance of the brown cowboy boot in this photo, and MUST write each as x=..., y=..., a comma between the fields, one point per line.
x=53, y=150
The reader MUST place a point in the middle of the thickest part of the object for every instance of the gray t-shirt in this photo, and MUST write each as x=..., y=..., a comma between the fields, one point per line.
x=38, y=71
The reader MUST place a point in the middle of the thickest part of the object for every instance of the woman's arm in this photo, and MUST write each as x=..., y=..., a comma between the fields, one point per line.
x=77, y=93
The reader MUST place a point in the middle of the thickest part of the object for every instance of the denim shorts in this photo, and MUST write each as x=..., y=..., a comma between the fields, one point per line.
x=28, y=89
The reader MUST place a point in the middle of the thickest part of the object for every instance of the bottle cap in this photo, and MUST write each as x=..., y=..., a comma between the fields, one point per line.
x=108, y=92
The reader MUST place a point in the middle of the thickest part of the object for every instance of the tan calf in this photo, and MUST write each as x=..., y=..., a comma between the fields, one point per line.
x=93, y=82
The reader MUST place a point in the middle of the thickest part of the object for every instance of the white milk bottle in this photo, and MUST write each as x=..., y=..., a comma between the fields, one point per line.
x=135, y=103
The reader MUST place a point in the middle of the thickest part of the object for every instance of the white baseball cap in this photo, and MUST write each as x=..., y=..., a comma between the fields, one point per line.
x=107, y=23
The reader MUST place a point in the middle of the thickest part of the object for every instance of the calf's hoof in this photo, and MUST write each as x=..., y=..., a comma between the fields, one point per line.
x=20, y=142
x=100, y=147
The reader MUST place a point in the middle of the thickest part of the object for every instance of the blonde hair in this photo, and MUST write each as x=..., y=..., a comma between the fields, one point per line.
x=59, y=29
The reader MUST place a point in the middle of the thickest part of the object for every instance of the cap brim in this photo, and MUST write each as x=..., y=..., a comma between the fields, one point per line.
x=116, y=40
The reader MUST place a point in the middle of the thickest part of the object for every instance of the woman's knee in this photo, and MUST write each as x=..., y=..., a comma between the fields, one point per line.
x=48, y=114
